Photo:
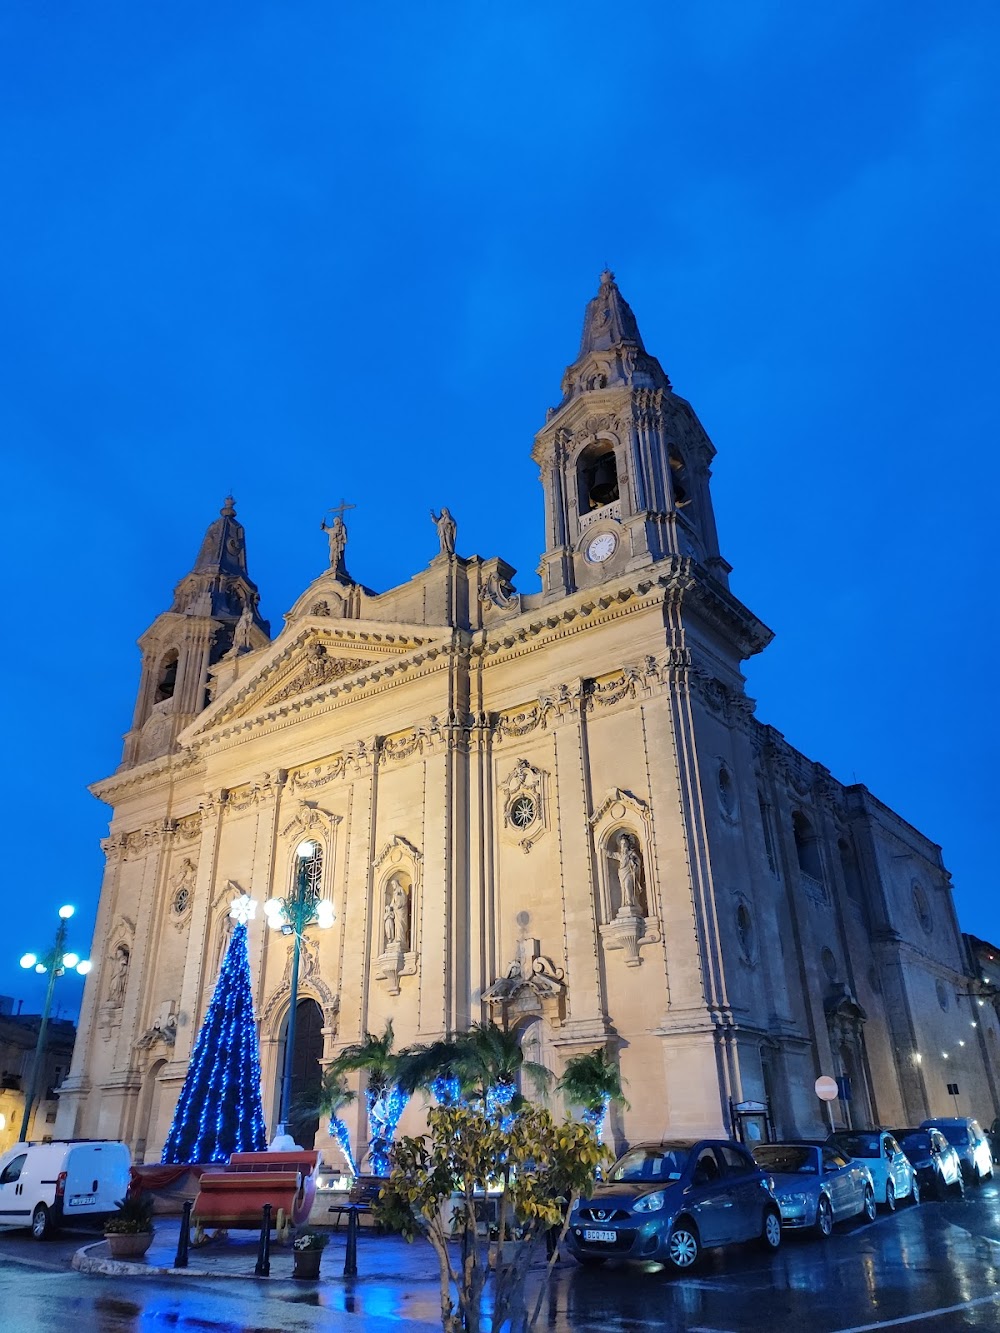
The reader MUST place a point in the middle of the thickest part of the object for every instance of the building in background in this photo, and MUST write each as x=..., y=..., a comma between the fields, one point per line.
x=558, y=808
x=18, y=1038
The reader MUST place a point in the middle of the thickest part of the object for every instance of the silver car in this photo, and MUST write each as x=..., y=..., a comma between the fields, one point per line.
x=816, y=1185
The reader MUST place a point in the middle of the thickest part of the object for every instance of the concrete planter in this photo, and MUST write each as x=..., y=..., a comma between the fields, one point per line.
x=306, y=1264
x=129, y=1246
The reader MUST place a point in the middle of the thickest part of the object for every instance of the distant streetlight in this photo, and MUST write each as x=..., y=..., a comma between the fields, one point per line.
x=292, y=915
x=55, y=962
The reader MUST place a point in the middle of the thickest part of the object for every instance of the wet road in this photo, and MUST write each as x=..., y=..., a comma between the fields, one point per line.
x=929, y=1269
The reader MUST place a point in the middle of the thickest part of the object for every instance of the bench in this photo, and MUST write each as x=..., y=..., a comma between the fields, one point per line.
x=364, y=1193
x=235, y=1195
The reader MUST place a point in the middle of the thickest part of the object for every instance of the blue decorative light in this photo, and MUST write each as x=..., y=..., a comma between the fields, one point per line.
x=447, y=1091
x=219, y=1110
x=498, y=1097
x=385, y=1106
x=340, y=1132
x=596, y=1118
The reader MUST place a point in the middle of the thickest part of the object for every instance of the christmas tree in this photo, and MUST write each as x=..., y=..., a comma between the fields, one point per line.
x=219, y=1110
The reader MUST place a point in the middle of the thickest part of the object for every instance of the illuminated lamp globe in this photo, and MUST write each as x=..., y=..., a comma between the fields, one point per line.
x=84, y=967
x=29, y=960
x=66, y=912
x=39, y=967
x=324, y=914
x=70, y=959
x=305, y=849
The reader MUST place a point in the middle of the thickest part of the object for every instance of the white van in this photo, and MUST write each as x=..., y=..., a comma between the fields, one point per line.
x=43, y=1185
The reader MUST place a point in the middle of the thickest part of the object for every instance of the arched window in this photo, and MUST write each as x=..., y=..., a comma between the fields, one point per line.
x=307, y=861
x=167, y=679
x=597, y=473
x=679, y=479
x=807, y=850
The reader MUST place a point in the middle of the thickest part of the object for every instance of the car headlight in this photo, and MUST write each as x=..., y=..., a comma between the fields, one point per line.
x=650, y=1203
x=794, y=1200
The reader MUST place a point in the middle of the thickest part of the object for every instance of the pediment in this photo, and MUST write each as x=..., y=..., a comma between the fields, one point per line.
x=306, y=664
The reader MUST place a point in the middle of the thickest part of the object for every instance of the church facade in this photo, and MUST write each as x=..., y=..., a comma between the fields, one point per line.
x=557, y=809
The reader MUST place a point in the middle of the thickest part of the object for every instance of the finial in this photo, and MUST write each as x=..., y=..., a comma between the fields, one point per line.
x=607, y=276
x=228, y=509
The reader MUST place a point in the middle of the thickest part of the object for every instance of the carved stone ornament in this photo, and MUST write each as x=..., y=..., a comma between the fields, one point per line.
x=182, y=893
x=532, y=985
x=524, y=804
x=321, y=667
x=164, y=1029
x=399, y=868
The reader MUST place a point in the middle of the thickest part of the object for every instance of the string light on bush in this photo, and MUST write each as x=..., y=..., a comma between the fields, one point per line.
x=385, y=1107
x=446, y=1091
x=341, y=1133
x=219, y=1110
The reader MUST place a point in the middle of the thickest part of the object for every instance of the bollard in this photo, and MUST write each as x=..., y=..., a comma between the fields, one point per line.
x=263, y=1268
x=181, y=1257
x=351, y=1252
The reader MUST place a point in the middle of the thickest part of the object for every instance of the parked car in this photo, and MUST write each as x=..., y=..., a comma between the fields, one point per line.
x=815, y=1184
x=937, y=1164
x=669, y=1201
x=43, y=1185
x=969, y=1141
x=892, y=1173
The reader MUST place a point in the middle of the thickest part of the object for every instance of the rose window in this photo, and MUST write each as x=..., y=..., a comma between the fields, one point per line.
x=522, y=812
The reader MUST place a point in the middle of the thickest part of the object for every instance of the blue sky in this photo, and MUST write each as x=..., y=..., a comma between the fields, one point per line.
x=315, y=250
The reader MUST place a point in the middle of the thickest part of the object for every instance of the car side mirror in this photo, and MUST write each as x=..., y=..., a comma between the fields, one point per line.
x=829, y=1168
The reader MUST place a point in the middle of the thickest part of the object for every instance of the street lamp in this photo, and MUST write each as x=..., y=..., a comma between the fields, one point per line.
x=55, y=962
x=292, y=915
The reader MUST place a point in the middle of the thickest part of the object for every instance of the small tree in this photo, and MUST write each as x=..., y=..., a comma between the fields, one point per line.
x=332, y=1096
x=385, y=1101
x=544, y=1168
x=592, y=1081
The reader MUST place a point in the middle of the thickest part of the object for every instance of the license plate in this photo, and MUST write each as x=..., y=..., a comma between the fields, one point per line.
x=609, y=1237
x=81, y=1200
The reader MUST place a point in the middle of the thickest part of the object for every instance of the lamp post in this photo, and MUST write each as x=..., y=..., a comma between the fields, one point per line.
x=292, y=915
x=55, y=962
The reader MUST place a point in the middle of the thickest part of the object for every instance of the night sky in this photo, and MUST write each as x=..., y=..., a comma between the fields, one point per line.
x=313, y=250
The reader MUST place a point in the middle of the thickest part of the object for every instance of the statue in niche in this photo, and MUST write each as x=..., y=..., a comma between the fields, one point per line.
x=396, y=917
x=629, y=872
x=241, y=634
x=447, y=529
x=119, y=976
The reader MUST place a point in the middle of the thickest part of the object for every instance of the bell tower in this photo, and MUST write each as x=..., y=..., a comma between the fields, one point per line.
x=625, y=463
x=214, y=612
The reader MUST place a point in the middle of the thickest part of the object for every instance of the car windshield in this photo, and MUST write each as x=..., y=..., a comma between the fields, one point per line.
x=786, y=1158
x=859, y=1145
x=915, y=1143
x=956, y=1134
x=650, y=1164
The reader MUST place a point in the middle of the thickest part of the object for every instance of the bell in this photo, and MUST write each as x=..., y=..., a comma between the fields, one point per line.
x=604, y=485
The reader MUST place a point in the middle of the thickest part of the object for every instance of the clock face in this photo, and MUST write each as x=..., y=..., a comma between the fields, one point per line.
x=602, y=547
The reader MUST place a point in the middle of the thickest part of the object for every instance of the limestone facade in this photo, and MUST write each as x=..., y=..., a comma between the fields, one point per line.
x=557, y=807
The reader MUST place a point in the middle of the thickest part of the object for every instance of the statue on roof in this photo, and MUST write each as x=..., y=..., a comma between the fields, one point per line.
x=446, y=530
x=337, y=534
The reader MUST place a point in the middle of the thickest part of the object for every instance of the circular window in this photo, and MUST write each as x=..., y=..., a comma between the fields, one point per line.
x=727, y=791
x=942, y=995
x=746, y=932
x=181, y=900
x=922, y=908
x=522, y=812
x=829, y=964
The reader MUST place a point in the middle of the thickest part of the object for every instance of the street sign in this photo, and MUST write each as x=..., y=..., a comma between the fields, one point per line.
x=953, y=1089
x=826, y=1088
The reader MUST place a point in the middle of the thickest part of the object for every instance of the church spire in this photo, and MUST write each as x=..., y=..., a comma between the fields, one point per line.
x=612, y=354
x=214, y=611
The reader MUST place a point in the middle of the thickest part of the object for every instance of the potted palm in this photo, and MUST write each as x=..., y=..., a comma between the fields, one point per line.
x=592, y=1081
x=129, y=1232
x=384, y=1098
x=307, y=1251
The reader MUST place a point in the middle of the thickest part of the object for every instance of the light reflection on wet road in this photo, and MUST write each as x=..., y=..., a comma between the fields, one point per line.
x=938, y=1257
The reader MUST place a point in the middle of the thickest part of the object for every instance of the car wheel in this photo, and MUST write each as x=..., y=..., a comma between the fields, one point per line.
x=915, y=1192
x=41, y=1223
x=869, y=1204
x=890, y=1196
x=770, y=1237
x=824, y=1218
x=683, y=1246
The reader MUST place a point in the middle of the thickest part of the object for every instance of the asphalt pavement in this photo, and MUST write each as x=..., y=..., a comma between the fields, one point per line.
x=930, y=1268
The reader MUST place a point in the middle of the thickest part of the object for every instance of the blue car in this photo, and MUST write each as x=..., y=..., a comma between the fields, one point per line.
x=816, y=1185
x=669, y=1201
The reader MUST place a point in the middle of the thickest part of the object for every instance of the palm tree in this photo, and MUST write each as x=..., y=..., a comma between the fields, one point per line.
x=593, y=1081
x=482, y=1065
x=385, y=1100
x=329, y=1099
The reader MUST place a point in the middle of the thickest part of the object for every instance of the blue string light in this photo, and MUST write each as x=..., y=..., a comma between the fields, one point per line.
x=341, y=1133
x=446, y=1091
x=219, y=1110
x=498, y=1097
x=385, y=1106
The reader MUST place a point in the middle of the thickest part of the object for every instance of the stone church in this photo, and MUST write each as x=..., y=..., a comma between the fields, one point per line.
x=554, y=808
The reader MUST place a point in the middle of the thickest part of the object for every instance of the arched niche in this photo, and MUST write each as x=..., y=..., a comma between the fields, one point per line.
x=597, y=474
x=626, y=898
x=395, y=914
